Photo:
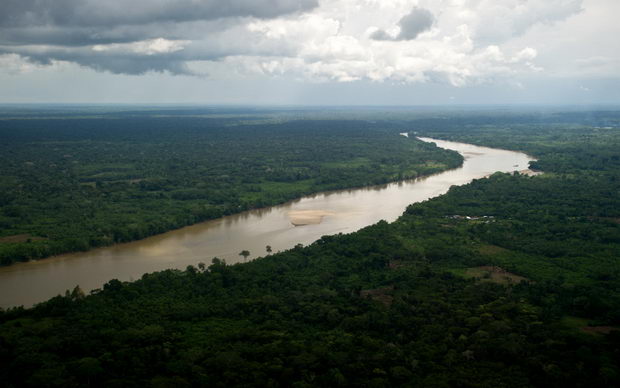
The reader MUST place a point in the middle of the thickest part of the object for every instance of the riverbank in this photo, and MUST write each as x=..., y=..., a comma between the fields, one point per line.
x=75, y=184
x=225, y=238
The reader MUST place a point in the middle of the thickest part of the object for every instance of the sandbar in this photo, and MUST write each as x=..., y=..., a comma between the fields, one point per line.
x=307, y=217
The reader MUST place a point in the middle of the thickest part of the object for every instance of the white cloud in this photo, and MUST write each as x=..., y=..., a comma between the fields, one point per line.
x=145, y=47
x=583, y=46
x=15, y=64
x=495, y=21
x=331, y=44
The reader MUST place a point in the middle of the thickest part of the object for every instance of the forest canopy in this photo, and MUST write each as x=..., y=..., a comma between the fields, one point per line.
x=70, y=183
x=509, y=281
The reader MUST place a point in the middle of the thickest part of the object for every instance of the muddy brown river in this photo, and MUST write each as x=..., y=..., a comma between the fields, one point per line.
x=282, y=227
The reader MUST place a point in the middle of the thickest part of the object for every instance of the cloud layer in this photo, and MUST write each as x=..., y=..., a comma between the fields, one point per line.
x=455, y=41
x=95, y=13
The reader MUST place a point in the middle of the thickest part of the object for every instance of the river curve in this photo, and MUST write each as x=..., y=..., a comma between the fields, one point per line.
x=283, y=226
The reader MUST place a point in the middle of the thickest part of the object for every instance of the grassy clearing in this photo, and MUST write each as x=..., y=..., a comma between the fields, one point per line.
x=493, y=274
x=353, y=163
x=584, y=325
x=20, y=238
x=491, y=250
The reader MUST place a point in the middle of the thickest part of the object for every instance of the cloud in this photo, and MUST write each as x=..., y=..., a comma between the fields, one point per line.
x=495, y=21
x=147, y=47
x=455, y=61
x=119, y=60
x=82, y=22
x=135, y=37
x=14, y=64
x=94, y=13
x=449, y=41
x=411, y=25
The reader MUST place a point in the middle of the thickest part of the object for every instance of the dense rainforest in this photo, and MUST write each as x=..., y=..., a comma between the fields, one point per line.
x=71, y=182
x=510, y=281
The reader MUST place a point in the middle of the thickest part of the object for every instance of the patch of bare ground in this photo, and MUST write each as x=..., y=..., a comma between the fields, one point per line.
x=20, y=238
x=599, y=329
x=615, y=220
x=490, y=250
x=381, y=295
x=494, y=274
x=529, y=172
x=395, y=264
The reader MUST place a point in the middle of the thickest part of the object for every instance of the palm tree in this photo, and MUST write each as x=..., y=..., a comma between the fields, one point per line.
x=245, y=253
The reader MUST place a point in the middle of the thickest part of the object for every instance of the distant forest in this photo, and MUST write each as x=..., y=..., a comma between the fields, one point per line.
x=510, y=281
x=70, y=183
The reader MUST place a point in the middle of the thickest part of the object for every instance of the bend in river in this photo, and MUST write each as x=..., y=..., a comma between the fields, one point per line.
x=282, y=227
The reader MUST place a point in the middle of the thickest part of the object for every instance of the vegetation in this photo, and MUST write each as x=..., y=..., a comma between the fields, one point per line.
x=69, y=183
x=411, y=303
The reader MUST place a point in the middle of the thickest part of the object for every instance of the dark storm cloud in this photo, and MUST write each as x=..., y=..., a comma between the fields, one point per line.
x=70, y=36
x=411, y=25
x=46, y=30
x=116, y=63
x=83, y=36
x=93, y=13
x=139, y=56
x=123, y=59
x=82, y=22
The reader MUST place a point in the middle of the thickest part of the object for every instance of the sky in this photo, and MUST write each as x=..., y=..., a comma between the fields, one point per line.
x=310, y=52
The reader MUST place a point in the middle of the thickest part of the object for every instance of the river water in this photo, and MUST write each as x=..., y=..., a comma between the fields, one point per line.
x=342, y=211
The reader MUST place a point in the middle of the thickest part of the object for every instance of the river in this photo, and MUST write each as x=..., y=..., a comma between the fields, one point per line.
x=300, y=221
